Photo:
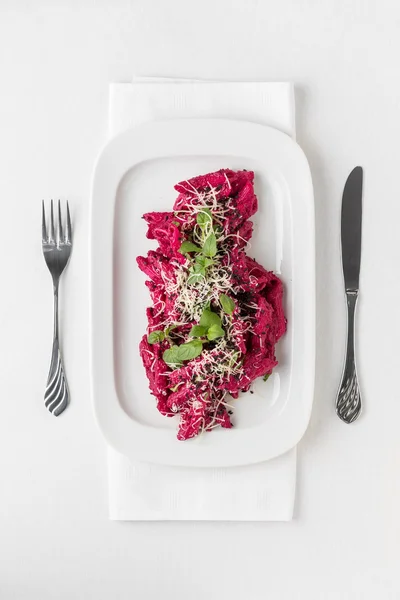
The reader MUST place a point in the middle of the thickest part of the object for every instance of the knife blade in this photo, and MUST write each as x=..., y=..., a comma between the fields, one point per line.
x=351, y=228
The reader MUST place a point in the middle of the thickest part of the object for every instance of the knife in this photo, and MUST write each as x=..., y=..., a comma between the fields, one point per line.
x=348, y=401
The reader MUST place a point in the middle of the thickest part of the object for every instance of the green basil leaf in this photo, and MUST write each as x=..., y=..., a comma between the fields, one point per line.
x=203, y=261
x=210, y=246
x=188, y=247
x=214, y=332
x=155, y=337
x=209, y=318
x=171, y=357
x=266, y=376
x=227, y=303
x=204, y=217
x=198, y=268
x=189, y=350
x=198, y=331
x=194, y=278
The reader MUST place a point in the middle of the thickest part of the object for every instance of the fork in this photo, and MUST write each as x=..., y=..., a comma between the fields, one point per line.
x=56, y=251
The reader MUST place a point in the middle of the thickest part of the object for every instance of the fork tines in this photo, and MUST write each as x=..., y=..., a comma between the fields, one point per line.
x=54, y=237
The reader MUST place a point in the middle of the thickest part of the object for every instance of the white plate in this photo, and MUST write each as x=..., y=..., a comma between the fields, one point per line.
x=135, y=173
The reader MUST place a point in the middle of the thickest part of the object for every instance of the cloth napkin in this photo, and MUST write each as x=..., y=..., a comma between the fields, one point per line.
x=148, y=492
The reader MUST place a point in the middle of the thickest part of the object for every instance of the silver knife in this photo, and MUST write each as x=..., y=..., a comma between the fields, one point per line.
x=348, y=402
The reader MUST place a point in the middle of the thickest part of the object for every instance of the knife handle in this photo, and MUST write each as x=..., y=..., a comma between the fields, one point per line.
x=348, y=402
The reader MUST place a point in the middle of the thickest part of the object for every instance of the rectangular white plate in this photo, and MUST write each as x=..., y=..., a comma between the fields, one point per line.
x=135, y=173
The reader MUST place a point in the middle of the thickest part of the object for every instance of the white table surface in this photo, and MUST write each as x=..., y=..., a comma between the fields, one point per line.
x=56, y=60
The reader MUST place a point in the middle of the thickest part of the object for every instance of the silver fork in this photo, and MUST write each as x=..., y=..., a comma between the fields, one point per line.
x=56, y=251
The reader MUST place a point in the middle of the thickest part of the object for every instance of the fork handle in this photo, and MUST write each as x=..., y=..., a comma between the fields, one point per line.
x=56, y=396
x=348, y=402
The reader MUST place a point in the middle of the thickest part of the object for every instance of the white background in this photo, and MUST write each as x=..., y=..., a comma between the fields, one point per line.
x=56, y=60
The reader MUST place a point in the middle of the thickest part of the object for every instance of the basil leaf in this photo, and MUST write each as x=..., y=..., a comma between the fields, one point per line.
x=194, y=278
x=189, y=350
x=209, y=318
x=198, y=268
x=201, y=260
x=227, y=303
x=214, y=332
x=198, y=331
x=266, y=376
x=204, y=217
x=204, y=261
x=189, y=247
x=171, y=357
x=155, y=337
x=210, y=246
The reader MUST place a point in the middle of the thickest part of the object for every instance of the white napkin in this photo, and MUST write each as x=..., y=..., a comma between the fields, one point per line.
x=146, y=492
